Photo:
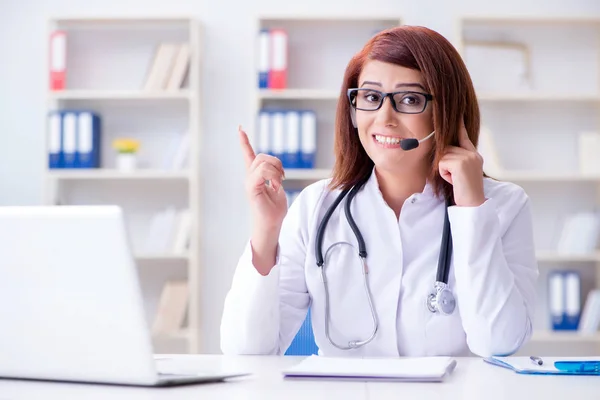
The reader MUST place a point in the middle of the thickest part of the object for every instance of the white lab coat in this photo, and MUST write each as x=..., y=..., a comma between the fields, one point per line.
x=493, y=277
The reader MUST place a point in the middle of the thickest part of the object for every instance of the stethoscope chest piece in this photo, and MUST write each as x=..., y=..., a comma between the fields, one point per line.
x=441, y=300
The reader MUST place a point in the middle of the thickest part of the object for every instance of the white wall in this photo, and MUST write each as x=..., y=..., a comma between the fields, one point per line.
x=228, y=69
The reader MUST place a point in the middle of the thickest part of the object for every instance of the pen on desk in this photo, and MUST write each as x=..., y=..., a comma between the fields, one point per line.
x=536, y=360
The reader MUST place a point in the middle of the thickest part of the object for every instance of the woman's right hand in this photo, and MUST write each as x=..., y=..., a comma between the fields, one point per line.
x=268, y=203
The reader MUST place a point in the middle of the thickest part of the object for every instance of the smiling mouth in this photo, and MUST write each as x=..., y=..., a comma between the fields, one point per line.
x=387, y=141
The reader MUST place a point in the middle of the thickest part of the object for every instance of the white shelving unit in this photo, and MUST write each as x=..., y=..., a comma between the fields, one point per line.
x=108, y=60
x=120, y=95
x=534, y=126
x=314, y=82
x=541, y=121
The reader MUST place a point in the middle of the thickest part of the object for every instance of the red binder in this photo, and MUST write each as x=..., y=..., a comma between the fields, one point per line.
x=279, y=55
x=58, y=60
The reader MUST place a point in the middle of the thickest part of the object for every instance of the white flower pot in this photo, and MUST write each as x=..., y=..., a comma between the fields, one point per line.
x=126, y=161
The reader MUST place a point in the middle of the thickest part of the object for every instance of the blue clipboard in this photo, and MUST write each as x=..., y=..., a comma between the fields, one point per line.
x=585, y=366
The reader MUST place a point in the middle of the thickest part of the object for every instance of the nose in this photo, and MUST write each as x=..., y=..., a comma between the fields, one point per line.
x=386, y=115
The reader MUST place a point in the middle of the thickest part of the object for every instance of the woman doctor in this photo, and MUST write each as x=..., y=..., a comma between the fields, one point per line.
x=406, y=132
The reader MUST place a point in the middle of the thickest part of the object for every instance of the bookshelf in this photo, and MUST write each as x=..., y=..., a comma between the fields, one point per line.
x=313, y=83
x=535, y=102
x=109, y=62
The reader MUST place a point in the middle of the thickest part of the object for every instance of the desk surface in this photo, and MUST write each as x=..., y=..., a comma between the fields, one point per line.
x=472, y=379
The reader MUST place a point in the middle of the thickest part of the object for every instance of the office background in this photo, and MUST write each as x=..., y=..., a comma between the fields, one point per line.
x=227, y=84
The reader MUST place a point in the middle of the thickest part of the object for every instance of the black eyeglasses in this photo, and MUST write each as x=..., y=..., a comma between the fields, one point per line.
x=406, y=102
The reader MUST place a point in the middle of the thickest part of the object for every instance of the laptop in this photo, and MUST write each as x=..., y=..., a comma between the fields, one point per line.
x=71, y=307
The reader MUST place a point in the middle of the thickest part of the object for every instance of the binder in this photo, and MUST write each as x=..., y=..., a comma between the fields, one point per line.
x=58, y=60
x=69, y=140
x=572, y=300
x=263, y=144
x=308, y=139
x=278, y=71
x=277, y=138
x=564, y=294
x=263, y=58
x=88, y=140
x=550, y=366
x=292, y=140
x=54, y=140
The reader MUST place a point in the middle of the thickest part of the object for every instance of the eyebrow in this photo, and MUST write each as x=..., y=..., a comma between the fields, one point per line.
x=399, y=85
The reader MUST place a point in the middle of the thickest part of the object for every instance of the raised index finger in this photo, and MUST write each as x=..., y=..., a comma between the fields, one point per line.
x=463, y=138
x=247, y=150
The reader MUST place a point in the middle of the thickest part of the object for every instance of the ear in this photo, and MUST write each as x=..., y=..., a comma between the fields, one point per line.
x=353, y=116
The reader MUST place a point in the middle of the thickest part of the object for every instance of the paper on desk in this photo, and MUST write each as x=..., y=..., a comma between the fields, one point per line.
x=423, y=369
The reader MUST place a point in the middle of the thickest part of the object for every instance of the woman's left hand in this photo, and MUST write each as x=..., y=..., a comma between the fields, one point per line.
x=462, y=167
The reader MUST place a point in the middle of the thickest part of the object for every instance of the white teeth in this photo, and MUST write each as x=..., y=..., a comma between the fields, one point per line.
x=387, y=139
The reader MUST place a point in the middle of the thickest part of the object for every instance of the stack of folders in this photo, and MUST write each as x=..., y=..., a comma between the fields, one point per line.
x=580, y=234
x=169, y=232
x=73, y=139
x=590, y=317
x=172, y=306
x=169, y=67
x=272, y=59
x=290, y=135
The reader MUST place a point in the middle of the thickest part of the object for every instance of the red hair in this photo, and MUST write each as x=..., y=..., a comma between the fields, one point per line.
x=445, y=77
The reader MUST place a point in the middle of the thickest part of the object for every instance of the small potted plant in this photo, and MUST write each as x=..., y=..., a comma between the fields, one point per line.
x=126, y=159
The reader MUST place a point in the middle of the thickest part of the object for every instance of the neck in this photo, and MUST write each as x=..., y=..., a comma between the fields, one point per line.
x=397, y=187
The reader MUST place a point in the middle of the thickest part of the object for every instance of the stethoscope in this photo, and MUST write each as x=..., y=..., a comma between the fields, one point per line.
x=440, y=300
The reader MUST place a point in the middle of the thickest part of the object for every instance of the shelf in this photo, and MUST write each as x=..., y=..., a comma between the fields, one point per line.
x=182, y=334
x=566, y=336
x=524, y=19
x=551, y=256
x=298, y=94
x=513, y=176
x=306, y=174
x=534, y=97
x=161, y=257
x=534, y=176
x=98, y=174
x=121, y=19
x=326, y=18
x=119, y=95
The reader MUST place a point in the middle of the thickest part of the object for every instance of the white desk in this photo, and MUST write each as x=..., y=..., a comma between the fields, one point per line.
x=472, y=379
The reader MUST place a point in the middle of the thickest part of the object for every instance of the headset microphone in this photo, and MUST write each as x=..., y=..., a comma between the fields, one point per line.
x=410, y=144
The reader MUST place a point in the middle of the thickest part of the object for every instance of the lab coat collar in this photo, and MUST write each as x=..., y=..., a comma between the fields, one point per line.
x=372, y=185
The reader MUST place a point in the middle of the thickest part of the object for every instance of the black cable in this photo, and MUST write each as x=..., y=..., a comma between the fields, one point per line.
x=443, y=270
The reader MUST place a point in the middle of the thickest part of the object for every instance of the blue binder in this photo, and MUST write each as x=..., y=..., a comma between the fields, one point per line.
x=564, y=291
x=277, y=134
x=308, y=134
x=550, y=366
x=54, y=140
x=88, y=140
x=291, y=155
x=264, y=57
x=69, y=139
